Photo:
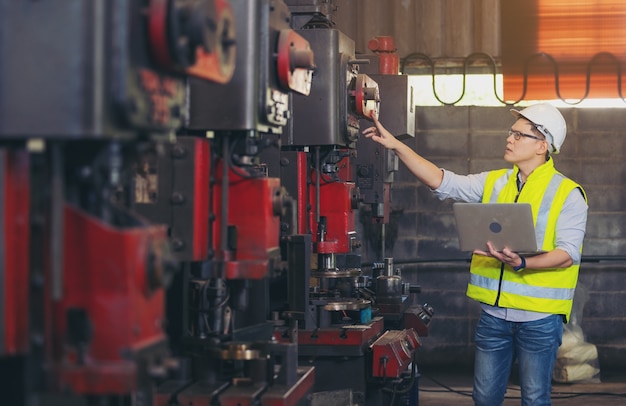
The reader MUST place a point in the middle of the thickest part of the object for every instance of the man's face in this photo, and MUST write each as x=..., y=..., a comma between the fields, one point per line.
x=523, y=144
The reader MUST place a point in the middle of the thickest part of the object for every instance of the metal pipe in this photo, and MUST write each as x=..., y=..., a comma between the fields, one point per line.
x=408, y=261
x=56, y=221
x=382, y=243
x=224, y=198
x=317, y=184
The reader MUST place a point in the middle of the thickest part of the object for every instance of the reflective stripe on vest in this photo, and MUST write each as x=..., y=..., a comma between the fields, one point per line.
x=544, y=208
x=499, y=184
x=539, y=292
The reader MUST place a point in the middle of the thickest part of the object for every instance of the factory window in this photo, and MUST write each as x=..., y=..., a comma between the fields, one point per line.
x=475, y=90
x=482, y=90
x=563, y=49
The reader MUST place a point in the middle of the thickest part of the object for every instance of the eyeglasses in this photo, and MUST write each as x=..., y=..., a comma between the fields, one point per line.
x=517, y=135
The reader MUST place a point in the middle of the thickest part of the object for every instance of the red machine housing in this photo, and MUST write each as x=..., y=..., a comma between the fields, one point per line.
x=366, y=97
x=357, y=335
x=338, y=202
x=294, y=62
x=393, y=352
x=385, y=48
x=418, y=317
x=210, y=43
x=253, y=223
x=201, y=198
x=185, y=201
x=14, y=258
x=112, y=308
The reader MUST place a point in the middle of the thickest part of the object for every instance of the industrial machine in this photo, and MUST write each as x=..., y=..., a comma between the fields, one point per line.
x=223, y=212
x=85, y=86
x=351, y=325
x=376, y=167
x=179, y=187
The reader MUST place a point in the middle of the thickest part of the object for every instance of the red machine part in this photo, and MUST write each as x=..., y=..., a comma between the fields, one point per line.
x=367, y=96
x=301, y=195
x=418, y=318
x=254, y=208
x=353, y=335
x=202, y=156
x=196, y=37
x=14, y=262
x=111, y=287
x=294, y=62
x=385, y=48
x=337, y=204
x=338, y=201
x=393, y=352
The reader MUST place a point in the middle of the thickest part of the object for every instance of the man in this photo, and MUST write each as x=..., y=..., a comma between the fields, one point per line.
x=524, y=300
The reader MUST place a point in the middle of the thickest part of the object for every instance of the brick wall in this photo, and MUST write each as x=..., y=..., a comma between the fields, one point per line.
x=472, y=139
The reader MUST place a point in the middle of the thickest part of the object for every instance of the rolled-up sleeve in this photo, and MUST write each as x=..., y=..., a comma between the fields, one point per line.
x=465, y=188
x=571, y=225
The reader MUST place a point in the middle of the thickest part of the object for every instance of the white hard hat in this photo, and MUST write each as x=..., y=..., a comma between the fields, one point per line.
x=548, y=120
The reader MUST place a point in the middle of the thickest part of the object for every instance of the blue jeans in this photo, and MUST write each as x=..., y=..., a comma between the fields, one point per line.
x=500, y=342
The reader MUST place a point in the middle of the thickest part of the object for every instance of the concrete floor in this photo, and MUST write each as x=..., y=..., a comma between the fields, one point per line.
x=441, y=388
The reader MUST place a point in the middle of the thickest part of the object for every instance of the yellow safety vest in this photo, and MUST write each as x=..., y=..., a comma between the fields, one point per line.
x=541, y=290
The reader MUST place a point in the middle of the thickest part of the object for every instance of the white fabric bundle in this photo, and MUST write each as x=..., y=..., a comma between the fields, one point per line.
x=575, y=373
x=576, y=360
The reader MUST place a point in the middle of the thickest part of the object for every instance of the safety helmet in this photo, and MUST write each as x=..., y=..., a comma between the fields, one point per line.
x=548, y=120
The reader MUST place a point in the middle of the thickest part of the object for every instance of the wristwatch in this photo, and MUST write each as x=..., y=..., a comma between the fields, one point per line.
x=520, y=266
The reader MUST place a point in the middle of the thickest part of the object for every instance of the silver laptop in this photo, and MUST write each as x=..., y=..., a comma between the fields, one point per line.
x=507, y=225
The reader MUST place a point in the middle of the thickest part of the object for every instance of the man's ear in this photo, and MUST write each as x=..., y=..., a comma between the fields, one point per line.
x=543, y=148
